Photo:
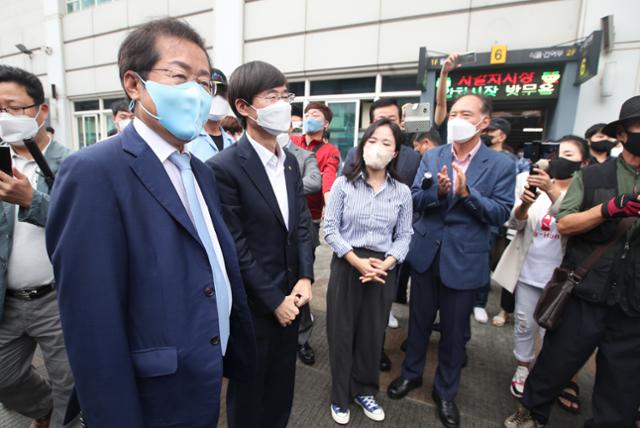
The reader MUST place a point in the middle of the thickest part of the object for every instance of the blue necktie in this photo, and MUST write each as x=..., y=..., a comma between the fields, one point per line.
x=222, y=298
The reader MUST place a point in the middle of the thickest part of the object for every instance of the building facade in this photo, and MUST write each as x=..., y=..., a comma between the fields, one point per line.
x=346, y=53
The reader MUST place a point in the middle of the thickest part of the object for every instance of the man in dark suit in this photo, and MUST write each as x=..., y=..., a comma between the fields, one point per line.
x=450, y=247
x=150, y=291
x=263, y=203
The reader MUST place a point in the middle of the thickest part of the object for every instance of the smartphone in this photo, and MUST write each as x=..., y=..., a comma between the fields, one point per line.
x=5, y=160
x=467, y=58
x=417, y=117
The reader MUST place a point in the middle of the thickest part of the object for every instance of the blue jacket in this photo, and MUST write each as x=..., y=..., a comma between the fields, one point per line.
x=459, y=228
x=36, y=214
x=140, y=327
x=204, y=148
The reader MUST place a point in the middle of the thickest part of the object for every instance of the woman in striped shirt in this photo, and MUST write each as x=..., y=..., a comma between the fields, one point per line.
x=367, y=223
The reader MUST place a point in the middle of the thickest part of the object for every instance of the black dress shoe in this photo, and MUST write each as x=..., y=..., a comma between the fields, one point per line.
x=401, y=387
x=385, y=362
x=306, y=354
x=403, y=346
x=447, y=412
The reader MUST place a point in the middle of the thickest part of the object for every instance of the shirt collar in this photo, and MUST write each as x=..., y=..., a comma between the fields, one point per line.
x=158, y=145
x=267, y=157
x=469, y=155
x=16, y=155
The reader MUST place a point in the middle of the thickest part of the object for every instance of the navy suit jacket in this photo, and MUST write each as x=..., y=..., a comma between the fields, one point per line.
x=459, y=228
x=272, y=258
x=406, y=166
x=140, y=331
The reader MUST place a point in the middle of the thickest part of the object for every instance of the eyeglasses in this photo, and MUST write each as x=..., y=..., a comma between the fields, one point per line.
x=273, y=98
x=16, y=111
x=179, y=77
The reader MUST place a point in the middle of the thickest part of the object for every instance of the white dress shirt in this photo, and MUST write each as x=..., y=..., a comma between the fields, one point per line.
x=163, y=150
x=28, y=265
x=274, y=167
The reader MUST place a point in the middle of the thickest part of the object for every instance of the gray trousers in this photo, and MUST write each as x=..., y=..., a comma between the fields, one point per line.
x=357, y=315
x=24, y=325
x=306, y=317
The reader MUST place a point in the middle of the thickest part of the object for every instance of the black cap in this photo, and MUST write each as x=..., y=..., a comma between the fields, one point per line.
x=501, y=124
x=218, y=77
x=630, y=110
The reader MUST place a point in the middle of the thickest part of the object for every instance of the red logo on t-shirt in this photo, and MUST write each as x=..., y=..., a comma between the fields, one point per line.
x=546, y=223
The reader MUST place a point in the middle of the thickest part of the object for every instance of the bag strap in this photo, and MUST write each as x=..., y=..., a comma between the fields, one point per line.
x=582, y=270
x=317, y=147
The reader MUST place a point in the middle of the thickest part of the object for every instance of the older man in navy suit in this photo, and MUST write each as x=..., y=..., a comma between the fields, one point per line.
x=449, y=250
x=151, y=298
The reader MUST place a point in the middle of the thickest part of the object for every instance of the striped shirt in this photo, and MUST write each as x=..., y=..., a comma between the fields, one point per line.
x=358, y=217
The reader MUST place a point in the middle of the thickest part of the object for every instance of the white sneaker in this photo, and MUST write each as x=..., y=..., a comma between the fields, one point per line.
x=341, y=416
x=518, y=380
x=371, y=408
x=481, y=315
x=393, y=321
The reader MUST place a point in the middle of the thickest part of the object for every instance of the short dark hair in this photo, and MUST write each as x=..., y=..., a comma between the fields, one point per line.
x=579, y=142
x=249, y=80
x=431, y=135
x=322, y=107
x=118, y=106
x=28, y=81
x=384, y=102
x=353, y=170
x=138, y=52
x=231, y=124
x=593, y=130
x=486, y=107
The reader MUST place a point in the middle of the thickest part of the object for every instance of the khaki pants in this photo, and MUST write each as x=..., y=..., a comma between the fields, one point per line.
x=26, y=324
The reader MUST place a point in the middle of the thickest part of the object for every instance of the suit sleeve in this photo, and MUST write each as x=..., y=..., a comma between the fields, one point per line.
x=306, y=255
x=263, y=292
x=425, y=200
x=494, y=210
x=311, y=179
x=87, y=245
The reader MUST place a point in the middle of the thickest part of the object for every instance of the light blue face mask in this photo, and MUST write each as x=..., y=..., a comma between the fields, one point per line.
x=181, y=109
x=311, y=125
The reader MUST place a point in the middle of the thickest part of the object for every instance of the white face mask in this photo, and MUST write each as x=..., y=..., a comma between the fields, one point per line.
x=275, y=118
x=120, y=125
x=219, y=108
x=376, y=156
x=15, y=129
x=283, y=140
x=616, y=151
x=460, y=131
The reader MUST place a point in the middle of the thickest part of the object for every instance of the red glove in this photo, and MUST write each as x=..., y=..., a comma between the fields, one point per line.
x=625, y=205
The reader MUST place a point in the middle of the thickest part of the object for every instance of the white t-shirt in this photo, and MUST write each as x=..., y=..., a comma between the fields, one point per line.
x=545, y=253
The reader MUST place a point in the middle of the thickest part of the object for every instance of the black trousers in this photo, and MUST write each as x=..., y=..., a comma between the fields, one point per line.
x=266, y=402
x=428, y=295
x=357, y=315
x=586, y=327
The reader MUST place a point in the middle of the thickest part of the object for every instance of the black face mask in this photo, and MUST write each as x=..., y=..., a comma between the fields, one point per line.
x=603, y=146
x=562, y=168
x=633, y=143
x=486, y=139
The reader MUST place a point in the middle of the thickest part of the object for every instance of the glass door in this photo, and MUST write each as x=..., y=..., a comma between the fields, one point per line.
x=343, y=130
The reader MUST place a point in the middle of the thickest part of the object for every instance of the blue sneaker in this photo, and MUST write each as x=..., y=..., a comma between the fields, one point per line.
x=341, y=416
x=370, y=406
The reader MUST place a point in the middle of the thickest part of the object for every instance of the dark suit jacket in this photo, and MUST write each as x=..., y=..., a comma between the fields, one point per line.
x=407, y=165
x=459, y=228
x=131, y=276
x=272, y=258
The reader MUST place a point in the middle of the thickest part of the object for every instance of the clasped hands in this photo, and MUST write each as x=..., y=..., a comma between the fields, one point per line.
x=459, y=182
x=289, y=309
